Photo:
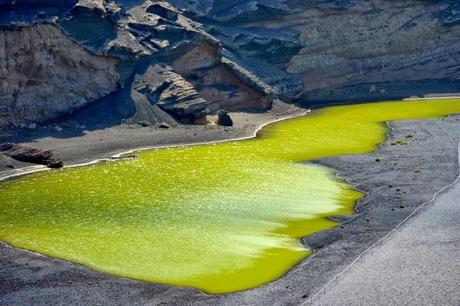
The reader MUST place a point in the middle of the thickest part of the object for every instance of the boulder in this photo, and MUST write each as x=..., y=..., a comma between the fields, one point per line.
x=164, y=125
x=30, y=155
x=55, y=164
x=143, y=123
x=224, y=118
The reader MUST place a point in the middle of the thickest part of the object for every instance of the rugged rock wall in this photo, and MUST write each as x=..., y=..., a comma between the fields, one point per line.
x=168, y=64
x=180, y=60
x=315, y=49
x=43, y=74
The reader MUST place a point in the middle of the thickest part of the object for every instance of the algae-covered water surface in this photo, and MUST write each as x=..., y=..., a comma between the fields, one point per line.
x=219, y=217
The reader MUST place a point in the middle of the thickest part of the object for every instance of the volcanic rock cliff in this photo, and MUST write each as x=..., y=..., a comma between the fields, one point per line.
x=340, y=50
x=43, y=74
x=178, y=61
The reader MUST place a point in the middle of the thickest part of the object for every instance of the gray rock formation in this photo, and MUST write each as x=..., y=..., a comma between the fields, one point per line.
x=30, y=155
x=181, y=60
x=314, y=50
x=170, y=92
x=168, y=65
x=224, y=119
x=44, y=74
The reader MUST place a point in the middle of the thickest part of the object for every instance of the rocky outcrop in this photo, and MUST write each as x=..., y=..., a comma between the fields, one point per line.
x=197, y=79
x=43, y=74
x=379, y=42
x=182, y=60
x=312, y=49
x=30, y=155
x=451, y=15
x=219, y=82
x=171, y=92
x=167, y=63
x=92, y=23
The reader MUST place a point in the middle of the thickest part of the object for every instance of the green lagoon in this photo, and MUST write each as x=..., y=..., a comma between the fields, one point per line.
x=219, y=217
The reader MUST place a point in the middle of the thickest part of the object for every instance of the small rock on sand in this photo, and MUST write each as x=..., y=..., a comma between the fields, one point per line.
x=164, y=125
x=224, y=119
x=30, y=155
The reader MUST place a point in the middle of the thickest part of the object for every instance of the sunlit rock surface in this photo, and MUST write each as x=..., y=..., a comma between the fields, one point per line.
x=44, y=74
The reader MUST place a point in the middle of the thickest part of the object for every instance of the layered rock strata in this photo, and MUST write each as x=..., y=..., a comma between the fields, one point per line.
x=209, y=55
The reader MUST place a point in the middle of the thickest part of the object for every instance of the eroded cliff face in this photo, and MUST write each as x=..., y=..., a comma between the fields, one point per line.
x=170, y=68
x=43, y=74
x=314, y=49
x=181, y=60
x=218, y=81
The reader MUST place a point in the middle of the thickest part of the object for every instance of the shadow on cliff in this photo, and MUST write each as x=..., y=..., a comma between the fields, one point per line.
x=123, y=106
x=105, y=113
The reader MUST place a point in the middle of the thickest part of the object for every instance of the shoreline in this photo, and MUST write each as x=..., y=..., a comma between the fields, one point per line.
x=292, y=112
x=447, y=97
x=247, y=133
x=119, y=155
x=386, y=237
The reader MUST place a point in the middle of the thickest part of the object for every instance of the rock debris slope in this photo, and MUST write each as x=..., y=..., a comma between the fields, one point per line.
x=179, y=61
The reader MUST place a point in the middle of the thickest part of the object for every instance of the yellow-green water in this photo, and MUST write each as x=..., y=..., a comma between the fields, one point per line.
x=222, y=217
